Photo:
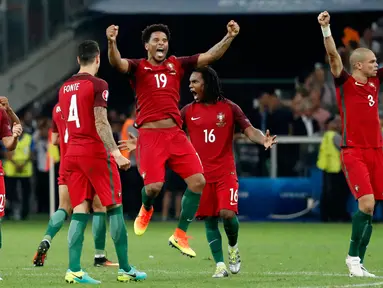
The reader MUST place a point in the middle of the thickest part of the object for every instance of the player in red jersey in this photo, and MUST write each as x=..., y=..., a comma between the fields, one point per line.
x=210, y=122
x=60, y=137
x=361, y=153
x=91, y=161
x=9, y=138
x=157, y=82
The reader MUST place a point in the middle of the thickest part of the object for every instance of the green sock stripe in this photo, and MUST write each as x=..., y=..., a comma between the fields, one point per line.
x=115, y=211
x=82, y=217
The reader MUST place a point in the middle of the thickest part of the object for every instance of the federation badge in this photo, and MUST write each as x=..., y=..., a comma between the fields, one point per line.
x=221, y=120
x=105, y=95
x=171, y=68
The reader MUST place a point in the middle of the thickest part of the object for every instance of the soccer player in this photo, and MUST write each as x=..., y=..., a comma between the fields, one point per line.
x=9, y=138
x=157, y=82
x=361, y=152
x=60, y=137
x=210, y=121
x=91, y=162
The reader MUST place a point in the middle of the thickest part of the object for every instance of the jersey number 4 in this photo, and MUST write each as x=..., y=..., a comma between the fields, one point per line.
x=73, y=115
x=161, y=80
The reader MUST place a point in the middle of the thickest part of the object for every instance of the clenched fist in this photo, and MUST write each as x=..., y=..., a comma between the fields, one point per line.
x=17, y=130
x=232, y=28
x=112, y=32
x=324, y=19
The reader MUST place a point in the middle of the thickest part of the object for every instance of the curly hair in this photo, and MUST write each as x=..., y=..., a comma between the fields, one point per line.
x=147, y=32
x=212, y=85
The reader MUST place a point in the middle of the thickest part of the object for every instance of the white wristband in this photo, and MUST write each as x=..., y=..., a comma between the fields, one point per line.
x=326, y=31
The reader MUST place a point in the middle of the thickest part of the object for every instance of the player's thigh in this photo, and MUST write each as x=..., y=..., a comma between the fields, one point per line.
x=105, y=179
x=151, y=155
x=377, y=174
x=356, y=173
x=184, y=159
x=2, y=197
x=79, y=186
x=227, y=193
x=208, y=203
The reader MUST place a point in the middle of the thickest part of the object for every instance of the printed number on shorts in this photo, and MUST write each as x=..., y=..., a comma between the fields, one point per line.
x=371, y=101
x=233, y=196
x=161, y=80
x=209, y=136
x=2, y=202
x=73, y=112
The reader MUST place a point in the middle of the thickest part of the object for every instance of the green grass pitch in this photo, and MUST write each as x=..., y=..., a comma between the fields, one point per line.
x=273, y=255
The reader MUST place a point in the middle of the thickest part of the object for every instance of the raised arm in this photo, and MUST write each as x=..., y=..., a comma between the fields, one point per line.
x=329, y=43
x=11, y=114
x=220, y=48
x=114, y=55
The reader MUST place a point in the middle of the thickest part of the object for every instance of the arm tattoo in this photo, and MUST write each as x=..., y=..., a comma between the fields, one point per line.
x=220, y=48
x=103, y=128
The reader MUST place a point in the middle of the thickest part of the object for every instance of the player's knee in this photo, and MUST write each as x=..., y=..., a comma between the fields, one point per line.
x=153, y=189
x=196, y=183
x=84, y=207
x=366, y=204
x=226, y=214
x=67, y=207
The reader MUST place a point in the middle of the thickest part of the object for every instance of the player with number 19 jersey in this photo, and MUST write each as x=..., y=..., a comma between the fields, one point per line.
x=362, y=155
x=211, y=131
x=87, y=161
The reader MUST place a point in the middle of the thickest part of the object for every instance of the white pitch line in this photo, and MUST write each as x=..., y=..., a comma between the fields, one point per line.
x=348, y=285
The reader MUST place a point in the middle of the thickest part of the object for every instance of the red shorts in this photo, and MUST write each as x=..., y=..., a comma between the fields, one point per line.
x=2, y=197
x=155, y=147
x=62, y=179
x=88, y=176
x=363, y=169
x=219, y=195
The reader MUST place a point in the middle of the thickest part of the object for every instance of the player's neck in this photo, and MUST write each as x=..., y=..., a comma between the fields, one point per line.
x=154, y=62
x=359, y=77
x=88, y=70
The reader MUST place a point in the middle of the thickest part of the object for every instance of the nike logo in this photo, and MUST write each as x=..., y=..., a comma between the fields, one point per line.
x=356, y=83
x=78, y=277
x=212, y=241
x=233, y=203
x=190, y=220
x=193, y=119
x=133, y=275
x=147, y=68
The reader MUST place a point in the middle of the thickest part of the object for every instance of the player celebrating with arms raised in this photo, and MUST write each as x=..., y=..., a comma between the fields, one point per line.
x=361, y=154
x=157, y=82
x=91, y=162
x=210, y=122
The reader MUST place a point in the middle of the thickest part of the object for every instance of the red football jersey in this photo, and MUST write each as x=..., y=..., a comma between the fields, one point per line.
x=358, y=106
x=59, y=126
x=157, y=87
x=5, y=131
x=211, y=131
x=77, y=98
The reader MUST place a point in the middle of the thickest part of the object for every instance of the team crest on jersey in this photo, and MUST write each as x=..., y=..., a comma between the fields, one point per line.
x=372, y=85
x=58, y=109
x=171, y=68
x=105, y=95
x=221, y=119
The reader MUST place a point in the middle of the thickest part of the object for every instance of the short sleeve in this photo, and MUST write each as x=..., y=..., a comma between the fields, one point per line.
x=133, y=64
x=240, y=118
x=5, y=126
x=183, y=116
x=54, y=126
x=101, y=93
x=380, y=75
x=188, y=62
x=339, y=81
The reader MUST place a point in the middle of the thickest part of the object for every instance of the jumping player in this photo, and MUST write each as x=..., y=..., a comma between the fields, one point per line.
x=157, y=82
x=60, y=137
x=361, y=153
x=9, y=138
x=91, y=163
x=210, y=121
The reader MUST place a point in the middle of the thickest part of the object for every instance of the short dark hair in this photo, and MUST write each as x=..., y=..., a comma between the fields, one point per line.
x=87, y=52
x=147, y=32
x=212, y=85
